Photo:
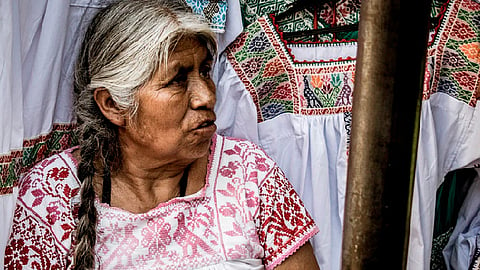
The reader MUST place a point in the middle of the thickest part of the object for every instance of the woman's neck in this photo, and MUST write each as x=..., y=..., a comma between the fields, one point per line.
x=138, y=189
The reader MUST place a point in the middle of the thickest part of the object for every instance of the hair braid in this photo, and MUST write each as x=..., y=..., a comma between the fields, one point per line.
x=120, y=56
x=84, y=257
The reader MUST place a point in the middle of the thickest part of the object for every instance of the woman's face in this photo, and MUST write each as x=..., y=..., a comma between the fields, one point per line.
x=175, y=118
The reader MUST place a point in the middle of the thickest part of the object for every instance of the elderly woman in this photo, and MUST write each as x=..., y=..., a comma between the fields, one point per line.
x=151, y=185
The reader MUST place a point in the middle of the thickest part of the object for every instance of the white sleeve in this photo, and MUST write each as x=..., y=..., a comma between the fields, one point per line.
x=235, y=109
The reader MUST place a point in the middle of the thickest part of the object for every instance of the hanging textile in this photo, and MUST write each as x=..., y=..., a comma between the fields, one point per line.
x=461, y=249
x=214, y=11
x=343, y=12
x=300, y=113
x=298, y=109
x=450, y=197
x=449, y=125
x=39, y=44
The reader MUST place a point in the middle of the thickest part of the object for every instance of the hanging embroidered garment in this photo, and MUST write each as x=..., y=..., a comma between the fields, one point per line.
x=40, y=40
x=449, y=199
x=450, y=117
x=337, y=13
x=247, y=216
x=461, y=249
x=299, y=112
x=214, y=11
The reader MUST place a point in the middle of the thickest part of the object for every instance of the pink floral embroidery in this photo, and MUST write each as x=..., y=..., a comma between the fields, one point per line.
x=219, y=222
x=156, y=236
x=229, y=170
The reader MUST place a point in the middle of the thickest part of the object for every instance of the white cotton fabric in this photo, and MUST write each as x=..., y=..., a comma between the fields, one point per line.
x=7, y=207
x=449, y=136
x=323, y=52
x=461, y=246
x=244, y=264
x=309, y=149
x=38, y=49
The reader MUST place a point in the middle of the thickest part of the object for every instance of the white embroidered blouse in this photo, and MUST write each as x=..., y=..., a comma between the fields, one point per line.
x=247, y=216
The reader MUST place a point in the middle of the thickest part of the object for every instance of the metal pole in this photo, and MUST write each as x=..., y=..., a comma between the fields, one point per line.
x=385, y=121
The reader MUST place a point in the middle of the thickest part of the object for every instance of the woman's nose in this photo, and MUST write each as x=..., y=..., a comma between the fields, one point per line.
x=202, y=94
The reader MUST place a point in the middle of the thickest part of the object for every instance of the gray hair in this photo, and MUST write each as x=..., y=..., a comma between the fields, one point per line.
x=131, y=39
x=123, y=48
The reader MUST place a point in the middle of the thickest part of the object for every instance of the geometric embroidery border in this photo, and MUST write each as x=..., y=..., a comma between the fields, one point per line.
x=13, y=164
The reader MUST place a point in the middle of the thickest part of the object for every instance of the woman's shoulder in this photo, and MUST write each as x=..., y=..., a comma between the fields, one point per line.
x=239, y=143
x=55, y=176
x=240, y=152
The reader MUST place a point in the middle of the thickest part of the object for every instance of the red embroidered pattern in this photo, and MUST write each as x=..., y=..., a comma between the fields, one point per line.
x=13, y=164
x=278, y=84
x=453, y=61
x=247, y=209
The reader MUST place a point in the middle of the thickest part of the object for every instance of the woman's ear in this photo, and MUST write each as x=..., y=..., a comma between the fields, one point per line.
x=108, y=107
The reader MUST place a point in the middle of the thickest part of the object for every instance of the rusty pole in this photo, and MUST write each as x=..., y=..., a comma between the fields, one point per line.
x=385, y=121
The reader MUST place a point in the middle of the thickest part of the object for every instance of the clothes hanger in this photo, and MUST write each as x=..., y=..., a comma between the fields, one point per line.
x=303, y=4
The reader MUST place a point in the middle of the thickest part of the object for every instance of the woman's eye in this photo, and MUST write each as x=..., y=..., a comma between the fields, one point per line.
x=180, y=78
x=206, y=71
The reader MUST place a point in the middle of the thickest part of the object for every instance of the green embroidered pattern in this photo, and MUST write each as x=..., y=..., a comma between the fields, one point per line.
x=453, y=62
x=278, y=85
x=346, y=12
x=12, y=165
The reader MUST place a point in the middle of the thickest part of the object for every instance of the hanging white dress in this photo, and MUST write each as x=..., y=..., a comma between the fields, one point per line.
x=38, y=51
x=464, y=241
x=450, y=118
x=299, y=112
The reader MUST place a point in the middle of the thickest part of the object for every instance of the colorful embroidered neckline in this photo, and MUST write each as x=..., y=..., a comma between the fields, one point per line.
x=278, y=84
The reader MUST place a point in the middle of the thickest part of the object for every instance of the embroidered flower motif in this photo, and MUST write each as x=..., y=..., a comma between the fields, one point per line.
x=452, y=59
x=316, y=81
x=271, y=110
x=462, y=31
x=16, y=253
x=466, y=80
x=259, y=43
x=239, y=251
x=228, y=171
x=252, y=200
x=327, y=88
x=472, y=51
x=261, y=164
x=53, y=213
x=448, y=87
x=282, y=92
x=252, y=66
x=156, y=236
x=266, y=88
x=273, y=68
x=58, y=173
x=470, y=5
x=228, y=210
